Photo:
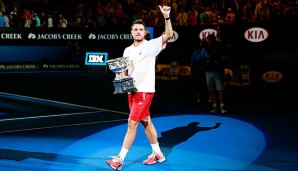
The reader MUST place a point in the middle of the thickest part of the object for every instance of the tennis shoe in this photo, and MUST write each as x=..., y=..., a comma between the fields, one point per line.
x=214, y=110
x=116, y=163
x=154, y=158
x=223, y=110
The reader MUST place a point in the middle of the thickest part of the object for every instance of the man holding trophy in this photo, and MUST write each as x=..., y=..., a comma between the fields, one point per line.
x=140, y=58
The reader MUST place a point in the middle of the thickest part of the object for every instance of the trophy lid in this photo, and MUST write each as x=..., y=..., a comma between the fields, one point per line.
x=118, y=64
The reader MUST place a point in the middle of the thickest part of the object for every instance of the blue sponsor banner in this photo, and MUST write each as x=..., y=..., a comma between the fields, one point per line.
x=96, y=58
x=150, y=32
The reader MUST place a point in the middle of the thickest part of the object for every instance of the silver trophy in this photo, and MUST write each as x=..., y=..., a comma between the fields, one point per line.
x=123, y=83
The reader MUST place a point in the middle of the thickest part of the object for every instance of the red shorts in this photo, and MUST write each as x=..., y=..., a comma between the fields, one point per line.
x=139, y=104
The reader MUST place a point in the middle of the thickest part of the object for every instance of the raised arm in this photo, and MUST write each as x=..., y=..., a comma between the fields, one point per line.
x=165, y=10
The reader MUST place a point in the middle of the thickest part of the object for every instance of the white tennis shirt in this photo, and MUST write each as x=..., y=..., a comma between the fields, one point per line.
x=142, y=63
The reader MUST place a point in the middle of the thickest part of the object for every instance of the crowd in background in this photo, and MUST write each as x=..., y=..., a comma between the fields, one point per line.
x=100, y=13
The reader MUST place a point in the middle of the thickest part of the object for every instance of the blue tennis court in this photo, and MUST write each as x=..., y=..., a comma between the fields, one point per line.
x=48, y=130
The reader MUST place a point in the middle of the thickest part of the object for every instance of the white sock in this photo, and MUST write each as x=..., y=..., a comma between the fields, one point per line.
x=123, y=153
x=214, y=105
x=156, y=148
x=222, y=105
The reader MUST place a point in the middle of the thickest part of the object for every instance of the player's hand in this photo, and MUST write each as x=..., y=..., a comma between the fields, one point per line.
x=165, y=10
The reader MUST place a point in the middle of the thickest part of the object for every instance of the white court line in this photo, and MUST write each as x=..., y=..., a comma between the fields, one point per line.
x=48, y=116
x=58, y=115
x=88, y=107
x=59, y=126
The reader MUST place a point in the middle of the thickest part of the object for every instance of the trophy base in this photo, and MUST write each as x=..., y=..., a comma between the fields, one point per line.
x=124, y=86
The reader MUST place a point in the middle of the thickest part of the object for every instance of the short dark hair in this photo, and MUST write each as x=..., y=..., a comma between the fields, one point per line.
x=138, y=21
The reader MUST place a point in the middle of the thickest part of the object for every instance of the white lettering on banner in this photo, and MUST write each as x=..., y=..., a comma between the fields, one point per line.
x=72, y=36
x=61, y=66
x=73, y=66
x=95, y=58
x=126, y=36
x=48, y=36
x=21, y=66
x=107, y=36
x=58, y=66
x=11, y=36
x=110, y=36
x=57, y=36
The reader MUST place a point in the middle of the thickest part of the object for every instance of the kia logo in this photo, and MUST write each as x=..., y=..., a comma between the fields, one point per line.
x=272, y=76
x=204, y=33
x=174, y=37
x=256, y=34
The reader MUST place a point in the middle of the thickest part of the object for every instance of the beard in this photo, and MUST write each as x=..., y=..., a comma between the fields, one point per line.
x=139, y=40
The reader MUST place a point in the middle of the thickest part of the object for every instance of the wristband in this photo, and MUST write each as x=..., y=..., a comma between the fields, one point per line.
x=168, y=18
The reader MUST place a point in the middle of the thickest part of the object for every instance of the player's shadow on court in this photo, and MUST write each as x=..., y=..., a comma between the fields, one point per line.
x=175, y=136
x=178, y=135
